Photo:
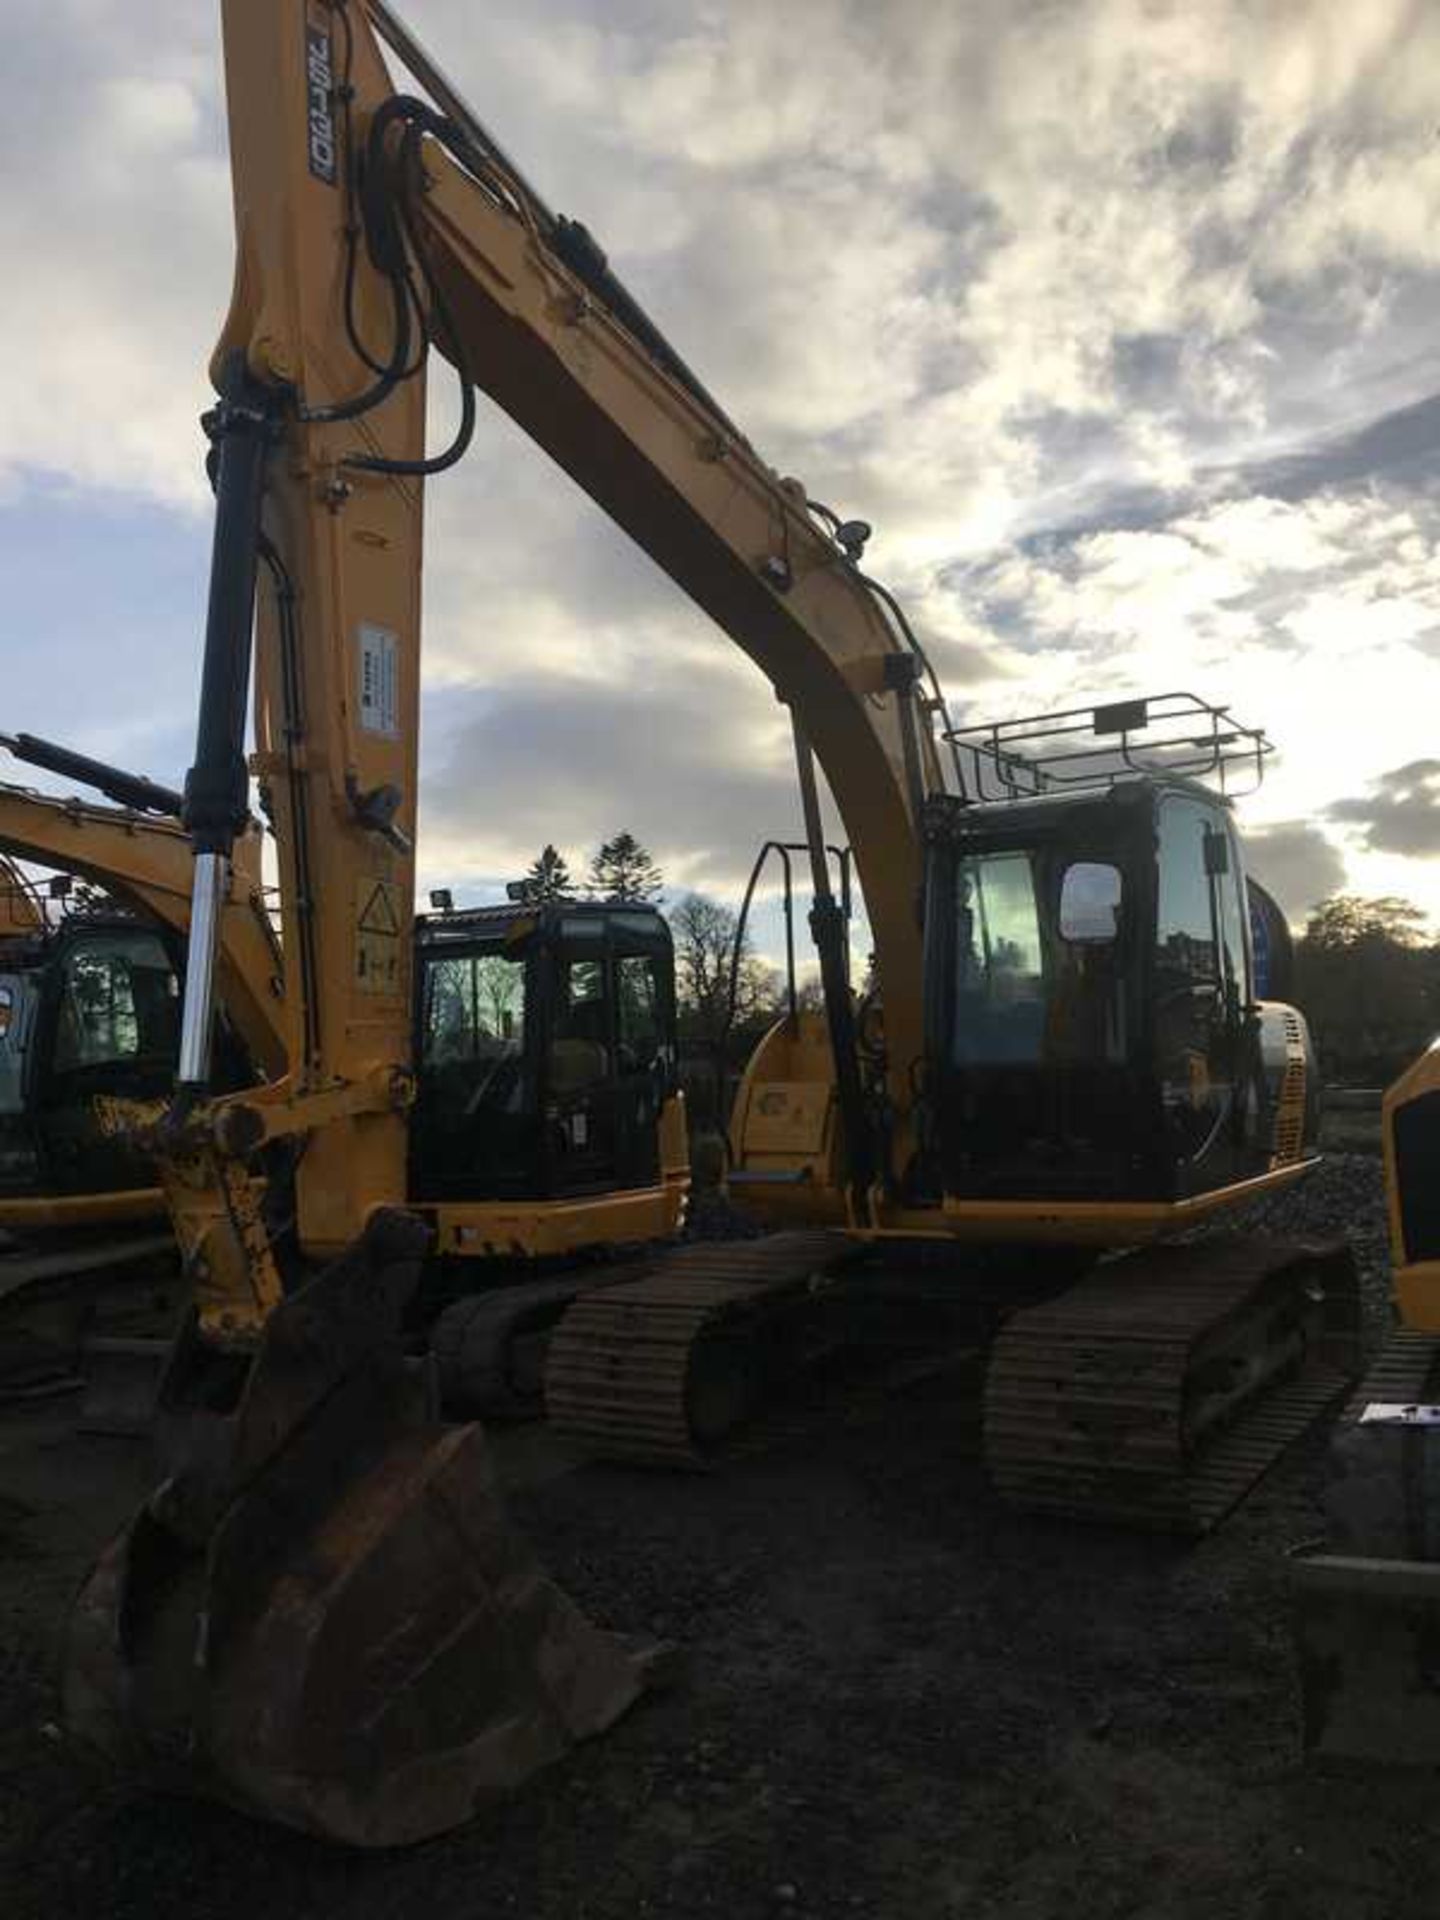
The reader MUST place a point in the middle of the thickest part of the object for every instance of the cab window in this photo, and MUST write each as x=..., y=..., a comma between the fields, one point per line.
x=474, y=1009
x=639, y=1021
x=17, y=1003
x=472, y=1036
x=1228, y=887
x=1185, y=935
x=119, y=1002
x=580, y=1045
x=1000, y=1012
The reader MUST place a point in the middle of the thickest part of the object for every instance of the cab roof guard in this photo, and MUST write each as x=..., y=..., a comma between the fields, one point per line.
x=1166, y=734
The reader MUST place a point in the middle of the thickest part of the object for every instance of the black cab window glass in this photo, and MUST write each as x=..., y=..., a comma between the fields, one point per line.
x=474, y=1008
x=1185, y=924
x=119, y=1001
x=637, y=1013
x=1000, y=1009
x=1232, y=913
x=580, y=1044
x=17, y=997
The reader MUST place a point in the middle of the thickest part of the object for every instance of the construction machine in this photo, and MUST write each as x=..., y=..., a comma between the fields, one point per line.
x=93, y=990
x=319, y=1613
x=90, y=972
x=1367, y=1595
x=521, y=1101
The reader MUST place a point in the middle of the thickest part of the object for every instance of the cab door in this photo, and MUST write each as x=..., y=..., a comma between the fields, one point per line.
x=644, y=1064
x=580, y=1062
x=474, y=1132
x=610, y=1058
x=109, y=1024
x=1200, y=994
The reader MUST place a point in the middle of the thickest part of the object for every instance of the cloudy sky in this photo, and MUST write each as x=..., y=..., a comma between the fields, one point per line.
x=1118, y=319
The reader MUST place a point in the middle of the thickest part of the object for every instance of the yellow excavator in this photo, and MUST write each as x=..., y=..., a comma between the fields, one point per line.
x=92, y=1006
x=1367, y=1597
x=90, y=970
x=138, y=856
x=319, y=1613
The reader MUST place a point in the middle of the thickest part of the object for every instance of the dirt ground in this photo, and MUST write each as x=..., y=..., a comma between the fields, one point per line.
x=899, y=1699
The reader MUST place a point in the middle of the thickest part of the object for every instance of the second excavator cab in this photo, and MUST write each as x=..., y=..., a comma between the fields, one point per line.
x=89, y=1004
x=545, y=1051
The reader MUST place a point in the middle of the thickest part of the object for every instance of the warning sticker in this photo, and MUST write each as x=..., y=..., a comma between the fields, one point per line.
x=377, y=937
x=380, y=913
x=379, y=700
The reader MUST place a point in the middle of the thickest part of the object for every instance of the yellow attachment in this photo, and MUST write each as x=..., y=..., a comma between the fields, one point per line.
x=215, y=1210
x=785, y=1128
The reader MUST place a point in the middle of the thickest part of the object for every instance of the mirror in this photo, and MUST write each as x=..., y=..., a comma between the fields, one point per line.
x=1090, y=897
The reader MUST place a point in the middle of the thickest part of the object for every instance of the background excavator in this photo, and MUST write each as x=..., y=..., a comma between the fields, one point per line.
x=94, y=988
x=319, y=1613
x=503, y=1000
x=90, y=972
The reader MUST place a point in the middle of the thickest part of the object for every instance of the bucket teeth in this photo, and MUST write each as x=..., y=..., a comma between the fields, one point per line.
x=323, y=1615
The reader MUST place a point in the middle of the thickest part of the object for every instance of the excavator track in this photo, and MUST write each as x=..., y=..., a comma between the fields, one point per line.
x=664, y=1369
x=1403, y=1373
x=1159, y=1390
x=489, y=1347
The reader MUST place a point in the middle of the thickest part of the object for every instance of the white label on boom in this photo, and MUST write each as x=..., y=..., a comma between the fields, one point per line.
x=378, y=711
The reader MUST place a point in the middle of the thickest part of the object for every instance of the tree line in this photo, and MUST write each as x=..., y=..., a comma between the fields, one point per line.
x=1368, y=980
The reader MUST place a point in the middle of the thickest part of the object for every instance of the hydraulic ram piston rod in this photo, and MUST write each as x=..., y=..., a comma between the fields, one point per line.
x=243, y=428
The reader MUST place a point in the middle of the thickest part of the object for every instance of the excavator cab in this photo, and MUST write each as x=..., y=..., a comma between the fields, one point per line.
x=1096, y=1036
x=103, y=1004
x=1094, y=1030
x=545, y=1049
x=89, y=1006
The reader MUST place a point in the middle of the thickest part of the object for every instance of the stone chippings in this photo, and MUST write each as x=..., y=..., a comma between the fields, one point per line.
x=1343, y=1199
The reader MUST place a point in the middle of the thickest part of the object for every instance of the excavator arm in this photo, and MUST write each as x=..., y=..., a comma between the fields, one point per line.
x=370, y=227
x=320, y=1614
x=445, y=236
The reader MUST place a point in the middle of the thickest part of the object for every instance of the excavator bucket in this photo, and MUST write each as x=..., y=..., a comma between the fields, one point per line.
x=321, y=1614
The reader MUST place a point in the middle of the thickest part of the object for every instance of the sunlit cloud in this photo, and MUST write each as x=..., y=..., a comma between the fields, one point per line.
x=1116, y=321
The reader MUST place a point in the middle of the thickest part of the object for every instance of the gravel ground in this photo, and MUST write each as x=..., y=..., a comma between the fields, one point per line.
x=900, y=1699
x=1343, y=1199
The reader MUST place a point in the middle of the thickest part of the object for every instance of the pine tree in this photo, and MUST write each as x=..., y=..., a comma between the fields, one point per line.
x=548, y=878
x=623, y=870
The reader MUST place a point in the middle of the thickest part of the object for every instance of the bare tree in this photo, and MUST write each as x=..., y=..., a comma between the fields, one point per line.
x=704, y=932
